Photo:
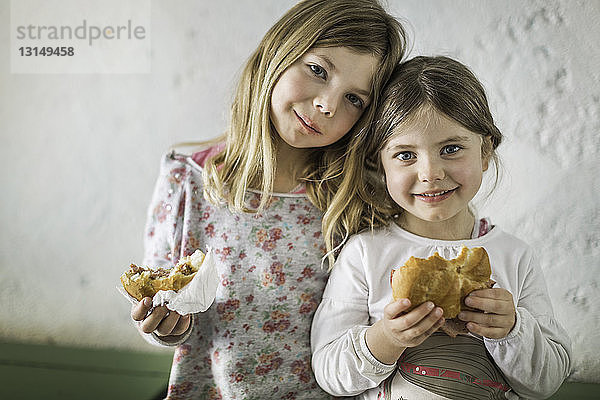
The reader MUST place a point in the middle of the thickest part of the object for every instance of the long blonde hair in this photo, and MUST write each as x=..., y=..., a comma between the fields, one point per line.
x=250, y=147
x=416, y=86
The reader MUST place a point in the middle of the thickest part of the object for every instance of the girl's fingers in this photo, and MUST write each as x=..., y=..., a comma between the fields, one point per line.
x=395, y=308
x=436, y=326
x=488, y=332
x=428, y=325
x=409, y=329
x=413, y=317
x=418, y=333
x=420, y=320
x=494, y=293
x=495, y=300
x=161, y=320
x=182, y=325
x=151, y=322
x=489, y=320
x=167, y=325
x=139, y=311
x=490, y=305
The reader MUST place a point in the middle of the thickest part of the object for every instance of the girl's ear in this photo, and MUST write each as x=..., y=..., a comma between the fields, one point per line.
x=486, y=151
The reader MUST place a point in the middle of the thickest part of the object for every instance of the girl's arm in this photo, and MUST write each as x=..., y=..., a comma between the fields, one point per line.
x=535, y=355
x=162, y=238
x=341, y=361
x=162, y=235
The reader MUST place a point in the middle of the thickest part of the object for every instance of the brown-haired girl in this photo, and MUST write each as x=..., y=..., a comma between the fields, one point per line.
x=408, y=185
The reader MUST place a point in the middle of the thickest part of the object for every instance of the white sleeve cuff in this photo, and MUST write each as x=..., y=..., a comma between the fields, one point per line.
x=170, y=341
x=362, y=350
x=515, y=331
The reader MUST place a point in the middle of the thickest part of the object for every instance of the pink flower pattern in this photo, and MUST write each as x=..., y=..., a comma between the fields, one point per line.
x=253, y=342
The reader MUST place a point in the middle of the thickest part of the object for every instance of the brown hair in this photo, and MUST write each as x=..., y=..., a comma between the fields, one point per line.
x=419, y=84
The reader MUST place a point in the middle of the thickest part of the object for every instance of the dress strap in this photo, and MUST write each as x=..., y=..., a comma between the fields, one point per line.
x=481, y=228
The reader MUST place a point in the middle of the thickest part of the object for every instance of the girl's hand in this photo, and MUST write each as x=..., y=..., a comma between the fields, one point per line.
x=398, y=329
x=161, y=320
x=498, y=316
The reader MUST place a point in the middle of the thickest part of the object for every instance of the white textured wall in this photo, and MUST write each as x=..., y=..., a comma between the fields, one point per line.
x=79, y=153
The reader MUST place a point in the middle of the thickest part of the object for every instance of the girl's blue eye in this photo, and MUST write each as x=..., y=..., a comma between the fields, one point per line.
x=450, y=149
x=355, y=100
x=318, y=71
x=404, y=156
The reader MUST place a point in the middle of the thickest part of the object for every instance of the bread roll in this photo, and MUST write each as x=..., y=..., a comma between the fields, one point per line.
x=142, y=282
x=444, y=282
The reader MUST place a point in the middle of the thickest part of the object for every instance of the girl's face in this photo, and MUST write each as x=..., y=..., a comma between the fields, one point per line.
x=320, y=97
x=433, y=168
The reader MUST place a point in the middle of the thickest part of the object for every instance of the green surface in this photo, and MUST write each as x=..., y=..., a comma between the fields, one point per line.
x=50, y=372
x=578, y=391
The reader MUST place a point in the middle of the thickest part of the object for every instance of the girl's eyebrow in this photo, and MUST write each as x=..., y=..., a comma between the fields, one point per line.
x=330, y=64
x=399, y=146
x=365, y=93
x=453, y=139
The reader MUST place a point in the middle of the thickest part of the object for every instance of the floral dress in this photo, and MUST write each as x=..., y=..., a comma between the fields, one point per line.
x=253, y=342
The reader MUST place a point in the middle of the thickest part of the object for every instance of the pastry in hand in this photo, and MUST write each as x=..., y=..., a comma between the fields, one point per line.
x=446, y=283
x=142, y=282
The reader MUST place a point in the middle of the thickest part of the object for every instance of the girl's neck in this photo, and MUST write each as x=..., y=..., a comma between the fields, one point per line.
x=289, y=164
x=459, y=227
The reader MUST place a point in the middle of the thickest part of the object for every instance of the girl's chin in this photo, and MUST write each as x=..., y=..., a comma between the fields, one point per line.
x=441, y=217
x=443, y=226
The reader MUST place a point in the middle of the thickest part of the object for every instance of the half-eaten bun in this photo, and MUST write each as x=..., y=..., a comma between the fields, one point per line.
x=444, y=282
x=143, y=282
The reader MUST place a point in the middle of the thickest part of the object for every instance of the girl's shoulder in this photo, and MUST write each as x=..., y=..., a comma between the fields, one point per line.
x=178, y=157
x=368, y=238
x=510, y=243
x=495, y=234
x=200, y=156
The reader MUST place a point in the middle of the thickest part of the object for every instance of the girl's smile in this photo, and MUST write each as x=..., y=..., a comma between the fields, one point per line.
x=310, y=126
x=434, y=197
x=433, y=168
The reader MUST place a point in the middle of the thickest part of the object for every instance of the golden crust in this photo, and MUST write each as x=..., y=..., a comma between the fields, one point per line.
x=142, y=282
x=444, y=282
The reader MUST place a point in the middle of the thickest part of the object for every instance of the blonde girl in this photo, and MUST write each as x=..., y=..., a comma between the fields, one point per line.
x=408, y=186
x=255, y=197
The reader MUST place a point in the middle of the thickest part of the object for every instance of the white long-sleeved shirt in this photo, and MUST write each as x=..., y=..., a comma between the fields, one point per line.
x=534, y=357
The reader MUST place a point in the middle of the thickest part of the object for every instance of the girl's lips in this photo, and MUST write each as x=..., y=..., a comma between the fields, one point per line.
x=308, y=124
x=434, y=197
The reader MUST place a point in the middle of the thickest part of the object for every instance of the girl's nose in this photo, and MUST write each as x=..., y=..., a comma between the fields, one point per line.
x=430, y=170
x=326, y=105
